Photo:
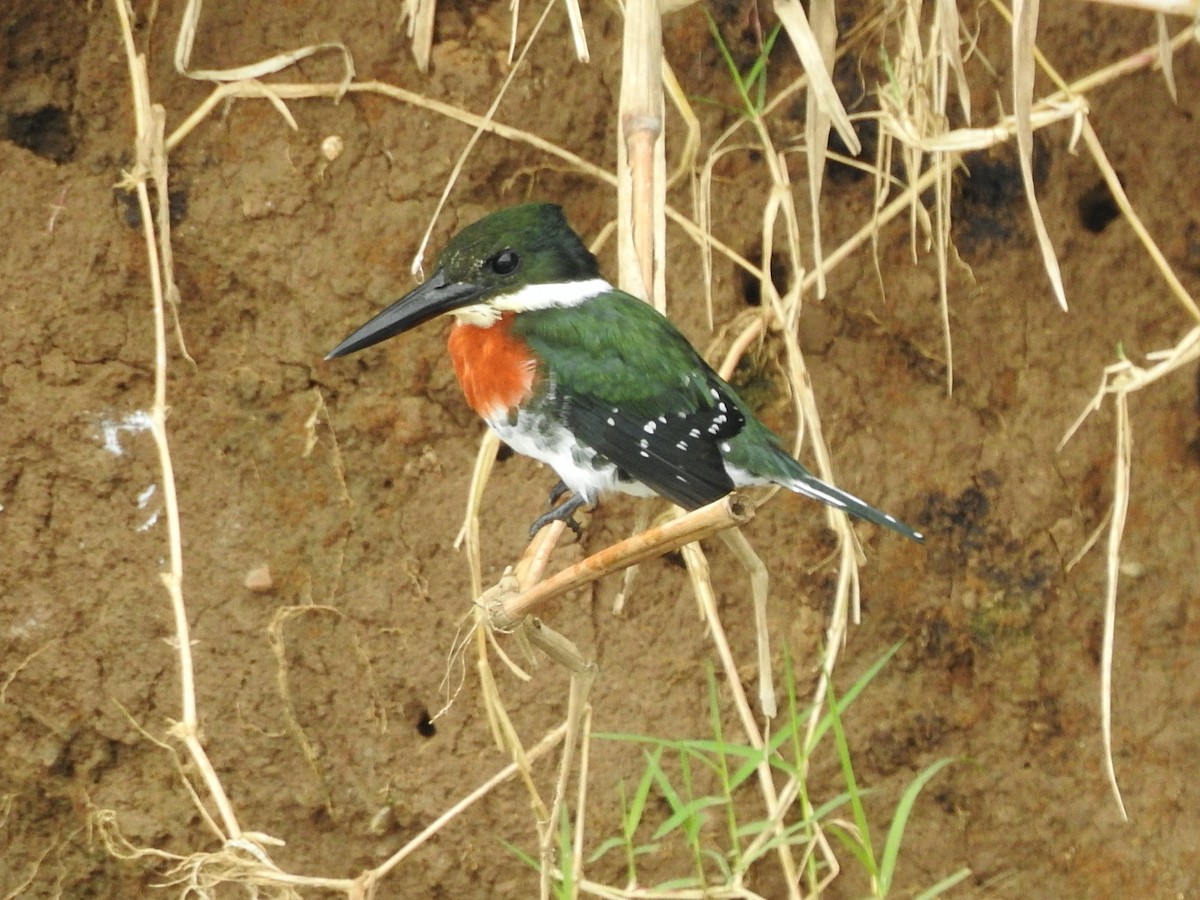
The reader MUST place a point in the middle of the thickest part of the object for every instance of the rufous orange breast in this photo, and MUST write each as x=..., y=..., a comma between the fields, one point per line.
x=495, y=368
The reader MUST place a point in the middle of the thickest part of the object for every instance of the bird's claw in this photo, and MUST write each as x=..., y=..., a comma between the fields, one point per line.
x=557, y=491
x=564, y=513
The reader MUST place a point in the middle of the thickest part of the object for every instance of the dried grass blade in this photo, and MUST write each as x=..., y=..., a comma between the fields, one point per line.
x=816, y=126
x=575, y=17
x=187, y=38
x=420, y=15
x=1121, y=472
x=949, y=27
x=1024, y=32
x=1135, y=221
x=795, y=23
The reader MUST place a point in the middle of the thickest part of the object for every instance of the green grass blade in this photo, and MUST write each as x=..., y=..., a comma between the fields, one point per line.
x=891, y=848
x=944, y=885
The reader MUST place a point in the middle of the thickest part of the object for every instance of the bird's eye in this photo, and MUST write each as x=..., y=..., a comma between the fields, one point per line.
x=505, y=262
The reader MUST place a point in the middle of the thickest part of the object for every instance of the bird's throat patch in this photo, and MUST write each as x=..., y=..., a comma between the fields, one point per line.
x=494, y=367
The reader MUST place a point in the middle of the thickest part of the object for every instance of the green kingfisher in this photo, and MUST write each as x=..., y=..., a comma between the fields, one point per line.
x=588, y=379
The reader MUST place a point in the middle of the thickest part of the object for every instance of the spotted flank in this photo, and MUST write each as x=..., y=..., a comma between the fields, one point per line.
x=580, y=467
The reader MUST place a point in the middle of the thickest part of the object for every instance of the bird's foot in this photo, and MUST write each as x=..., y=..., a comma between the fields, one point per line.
x=564, y=512
x=557, y=491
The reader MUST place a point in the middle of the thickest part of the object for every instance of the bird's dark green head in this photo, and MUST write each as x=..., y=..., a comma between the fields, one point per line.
x=517, y=259
x=515, y=247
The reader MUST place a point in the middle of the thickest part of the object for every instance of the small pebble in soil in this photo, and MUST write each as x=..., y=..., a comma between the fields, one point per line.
x=332, y=147
x=259, y=579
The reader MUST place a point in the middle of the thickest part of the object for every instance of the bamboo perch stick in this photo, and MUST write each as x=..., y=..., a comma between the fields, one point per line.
x=507, y=609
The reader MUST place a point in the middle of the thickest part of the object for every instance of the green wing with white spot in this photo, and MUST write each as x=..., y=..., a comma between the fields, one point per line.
x=631, y=387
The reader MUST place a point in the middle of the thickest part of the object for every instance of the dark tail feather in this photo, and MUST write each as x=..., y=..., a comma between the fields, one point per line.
x=839, y=499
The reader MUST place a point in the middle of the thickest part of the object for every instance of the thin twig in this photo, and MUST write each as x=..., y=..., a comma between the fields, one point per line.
x=506, y=611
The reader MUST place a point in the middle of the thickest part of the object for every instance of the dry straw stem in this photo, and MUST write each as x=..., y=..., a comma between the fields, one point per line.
x=1023, y=20
x=1024, y=36
x=697, y=564
x=277, y=63
x=641, y=157
x=151, y=165
x=917, y=135
x=277, y=93
x=244, y=862
x=785, y=311
x=913, y=106
x=506, y=610
x=815, y=46
x=243, y=857
x=1121, y=379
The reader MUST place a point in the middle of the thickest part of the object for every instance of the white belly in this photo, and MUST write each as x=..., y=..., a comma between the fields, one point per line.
x=575, y=463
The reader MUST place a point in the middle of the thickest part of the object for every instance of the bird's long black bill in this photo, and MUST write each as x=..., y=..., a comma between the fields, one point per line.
x=434, y=297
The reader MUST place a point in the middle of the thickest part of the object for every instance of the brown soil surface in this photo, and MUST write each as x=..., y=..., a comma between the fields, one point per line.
x=315, y=694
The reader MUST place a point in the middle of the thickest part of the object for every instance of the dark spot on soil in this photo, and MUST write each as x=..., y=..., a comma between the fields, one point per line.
x=744, y=32
x=1191, y=247
x=1098, y=207
x=893, y=750
x=938, y=642
x=46, y=132
x=675, y=558
x=505, y=453
x=989, y=197
x=848, y=78
x=950, y=801
x=425, y=726
x=131, y=213
x=751, y=287
x=177, y=204
x=1044, y=718
x=983, y=204
x=963, y=516
x=868, y=136
x=320, y=817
